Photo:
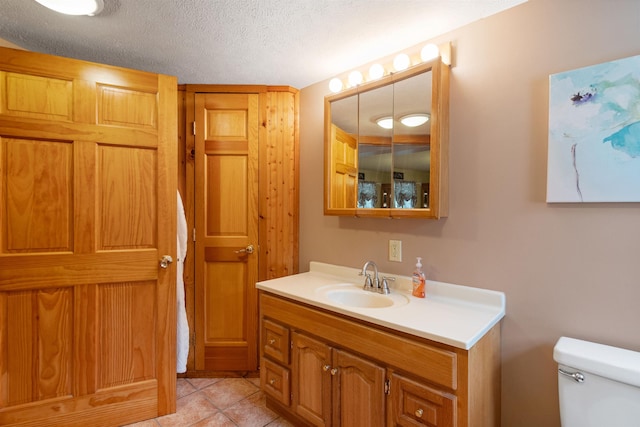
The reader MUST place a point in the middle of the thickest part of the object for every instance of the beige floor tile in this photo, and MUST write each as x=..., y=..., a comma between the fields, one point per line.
x=251, y=412
x=189, y=410
x=184, y=388
x=280, y=422
x=217, y=420
x=201, y=383
x=147, y=423
x=229, y=391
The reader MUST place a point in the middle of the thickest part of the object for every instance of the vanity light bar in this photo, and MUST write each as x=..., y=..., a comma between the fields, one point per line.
x=401, y=62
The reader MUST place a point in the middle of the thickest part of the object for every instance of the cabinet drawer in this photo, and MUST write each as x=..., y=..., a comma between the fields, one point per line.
x=416, y=404
x=275, y=381
x=275, y=341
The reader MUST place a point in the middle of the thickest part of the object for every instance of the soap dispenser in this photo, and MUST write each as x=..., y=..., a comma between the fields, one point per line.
x=418, y=280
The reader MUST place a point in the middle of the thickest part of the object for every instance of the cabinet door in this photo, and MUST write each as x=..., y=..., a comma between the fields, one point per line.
x=358, y=391
x=311, y=380
x=416, y=404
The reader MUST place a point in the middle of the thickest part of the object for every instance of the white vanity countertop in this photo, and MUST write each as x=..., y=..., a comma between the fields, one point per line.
x=450, y=314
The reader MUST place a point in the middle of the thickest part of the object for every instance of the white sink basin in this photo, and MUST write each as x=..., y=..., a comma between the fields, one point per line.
x=353, y=296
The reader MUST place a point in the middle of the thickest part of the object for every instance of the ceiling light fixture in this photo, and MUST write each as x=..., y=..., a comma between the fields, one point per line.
x=414, y=120
x=385, y=122
x=74, y=7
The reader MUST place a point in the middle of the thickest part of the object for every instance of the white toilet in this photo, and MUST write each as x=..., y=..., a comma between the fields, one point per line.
x=599, y=385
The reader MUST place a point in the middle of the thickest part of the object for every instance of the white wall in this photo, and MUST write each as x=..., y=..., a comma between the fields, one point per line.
x=566, y=269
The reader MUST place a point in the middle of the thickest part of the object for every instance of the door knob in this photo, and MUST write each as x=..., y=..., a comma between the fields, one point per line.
x=165, y=261
x=248, y=249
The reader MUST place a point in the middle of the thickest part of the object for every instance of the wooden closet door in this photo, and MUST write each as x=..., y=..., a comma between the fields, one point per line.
x=226, y=206
x=87, y=184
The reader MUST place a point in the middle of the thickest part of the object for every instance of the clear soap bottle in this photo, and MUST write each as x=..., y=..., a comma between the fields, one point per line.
x=418, y=280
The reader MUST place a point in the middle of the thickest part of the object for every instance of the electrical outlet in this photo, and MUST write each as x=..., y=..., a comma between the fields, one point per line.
x=395, y=250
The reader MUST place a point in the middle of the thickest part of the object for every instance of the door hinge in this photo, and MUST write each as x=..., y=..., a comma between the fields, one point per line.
x=387, y=387
x=193, y=128
x=193, y=340
x=194, y=235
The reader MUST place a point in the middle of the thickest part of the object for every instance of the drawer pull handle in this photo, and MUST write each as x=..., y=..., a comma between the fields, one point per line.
x=272, y=381
x=272, y=341
x=334, y=371
x=326, y=368
x=419, y=413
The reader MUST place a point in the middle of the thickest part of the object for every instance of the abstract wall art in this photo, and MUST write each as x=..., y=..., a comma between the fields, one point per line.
x=594, y=134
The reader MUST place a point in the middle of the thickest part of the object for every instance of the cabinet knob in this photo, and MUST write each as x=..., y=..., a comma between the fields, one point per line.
x=419, y=412
x=326, y=368
x=272, y=341
x=334, y=371
x=272, y=381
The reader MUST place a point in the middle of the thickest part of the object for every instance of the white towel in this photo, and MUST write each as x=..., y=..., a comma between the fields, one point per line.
x=182, y=344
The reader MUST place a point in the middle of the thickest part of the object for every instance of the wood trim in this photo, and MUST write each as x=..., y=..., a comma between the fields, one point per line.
x=213, y=88
x=167, y=181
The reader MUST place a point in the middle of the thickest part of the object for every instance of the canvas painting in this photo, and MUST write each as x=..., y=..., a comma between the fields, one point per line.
x=594, y=134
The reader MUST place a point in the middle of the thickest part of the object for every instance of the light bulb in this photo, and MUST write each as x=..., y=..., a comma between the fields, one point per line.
x=401, y=62
x=335, y=85
x=355, y=78
x=376, y=71
x=429, y=52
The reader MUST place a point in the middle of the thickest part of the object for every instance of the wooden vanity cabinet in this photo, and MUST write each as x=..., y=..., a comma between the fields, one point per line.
x=346, y=372
x=335, y=387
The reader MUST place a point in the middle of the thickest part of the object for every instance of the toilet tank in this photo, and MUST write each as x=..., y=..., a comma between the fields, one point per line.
x=598, y=385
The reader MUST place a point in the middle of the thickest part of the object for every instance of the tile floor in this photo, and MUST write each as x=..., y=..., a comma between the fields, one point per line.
x=210, y=402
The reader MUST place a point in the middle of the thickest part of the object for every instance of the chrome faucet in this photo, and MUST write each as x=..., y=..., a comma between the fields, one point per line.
x=370, y=284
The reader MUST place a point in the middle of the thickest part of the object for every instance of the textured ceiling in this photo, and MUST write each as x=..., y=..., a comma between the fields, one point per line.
x=274, y=42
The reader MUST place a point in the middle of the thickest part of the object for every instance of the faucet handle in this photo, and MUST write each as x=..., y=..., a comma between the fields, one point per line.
x=384, y=288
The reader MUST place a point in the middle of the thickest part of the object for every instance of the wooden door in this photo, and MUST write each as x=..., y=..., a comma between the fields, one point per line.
x=87, y=184
x=311, y=380
x=226, y=206
x=358, y=391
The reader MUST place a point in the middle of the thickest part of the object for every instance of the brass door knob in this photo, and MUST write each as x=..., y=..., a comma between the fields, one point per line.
x=419, y=413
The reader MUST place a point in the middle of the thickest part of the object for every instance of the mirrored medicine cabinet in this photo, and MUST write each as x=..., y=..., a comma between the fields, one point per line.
x=381, y=158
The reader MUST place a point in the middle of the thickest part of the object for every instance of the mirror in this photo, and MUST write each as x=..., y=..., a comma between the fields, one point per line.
x=393, y=171
x=374, y=148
